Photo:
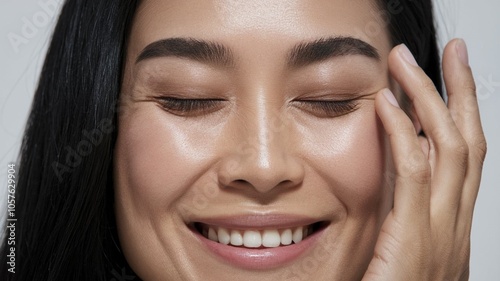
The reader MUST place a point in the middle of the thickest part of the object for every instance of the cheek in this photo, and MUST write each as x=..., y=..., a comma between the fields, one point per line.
x=350, y=153
x=158, y=159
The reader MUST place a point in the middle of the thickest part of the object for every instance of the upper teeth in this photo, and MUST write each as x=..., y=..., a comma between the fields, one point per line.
x=256, y=238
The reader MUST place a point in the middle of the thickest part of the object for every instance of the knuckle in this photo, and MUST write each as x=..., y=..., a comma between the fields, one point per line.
x=440, y=136
x=458, y=152
x=480, y=148
x=456, y=147
x=416, y=169
x=469, y=87
x=421, y=174
x=428, y=85
x=462, y=148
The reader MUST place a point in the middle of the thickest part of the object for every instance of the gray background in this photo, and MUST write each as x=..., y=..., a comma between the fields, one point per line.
x=475, y=21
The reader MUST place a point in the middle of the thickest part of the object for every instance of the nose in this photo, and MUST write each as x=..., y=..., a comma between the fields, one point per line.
x=261, y=156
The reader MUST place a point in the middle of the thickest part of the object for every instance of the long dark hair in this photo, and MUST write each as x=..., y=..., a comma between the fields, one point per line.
x=65, y=226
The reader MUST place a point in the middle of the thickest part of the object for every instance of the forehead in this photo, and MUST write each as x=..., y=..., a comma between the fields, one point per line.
x=256, y=24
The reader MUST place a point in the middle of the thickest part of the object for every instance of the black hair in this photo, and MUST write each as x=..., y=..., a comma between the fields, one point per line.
x=64, y=194
x=63, y=183
x=412, y=23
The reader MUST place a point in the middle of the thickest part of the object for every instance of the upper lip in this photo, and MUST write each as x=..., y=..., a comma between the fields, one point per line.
x=256, y=221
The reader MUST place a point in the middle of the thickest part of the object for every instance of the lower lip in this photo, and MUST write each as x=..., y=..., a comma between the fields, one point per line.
x=260, y=259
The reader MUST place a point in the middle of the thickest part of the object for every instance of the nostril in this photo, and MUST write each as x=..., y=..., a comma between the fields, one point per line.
x=289, y=184
x=241, y=183
x=285, y=172
x=285, y=182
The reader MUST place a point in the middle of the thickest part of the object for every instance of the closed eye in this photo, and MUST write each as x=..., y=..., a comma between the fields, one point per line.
x=328, y=108
x=189, y=107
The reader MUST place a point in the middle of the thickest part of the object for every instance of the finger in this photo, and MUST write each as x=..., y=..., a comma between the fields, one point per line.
x=463, y=106
x=412, y=170
x=448, y=150
x=461, y=90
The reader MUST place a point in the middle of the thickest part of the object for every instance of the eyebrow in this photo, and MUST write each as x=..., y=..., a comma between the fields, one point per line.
x=300, y=55
x=322, y=49
x=198, y=50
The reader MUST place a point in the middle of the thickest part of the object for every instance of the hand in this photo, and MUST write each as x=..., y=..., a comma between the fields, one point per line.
x=426, y=236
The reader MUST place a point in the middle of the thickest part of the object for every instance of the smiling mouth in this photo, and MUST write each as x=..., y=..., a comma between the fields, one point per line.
x=257, y=238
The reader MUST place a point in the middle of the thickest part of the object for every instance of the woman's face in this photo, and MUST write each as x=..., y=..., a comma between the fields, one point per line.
x=248, y=145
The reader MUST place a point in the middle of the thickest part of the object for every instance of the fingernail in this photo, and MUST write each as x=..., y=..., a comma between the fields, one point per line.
x=405, y=52
x=389, y=96
x=463, y=54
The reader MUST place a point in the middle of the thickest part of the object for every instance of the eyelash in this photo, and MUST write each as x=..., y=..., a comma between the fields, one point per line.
x=196, y=107
x=329, y=108
x=189, y=107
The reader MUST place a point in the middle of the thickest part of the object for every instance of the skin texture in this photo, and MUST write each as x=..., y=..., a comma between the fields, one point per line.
x=261, y=150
